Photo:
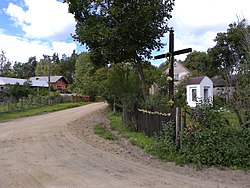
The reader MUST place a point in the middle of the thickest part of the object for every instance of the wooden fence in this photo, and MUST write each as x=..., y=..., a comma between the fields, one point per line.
x=152, y=122
x=12, y=105
x=149, y=122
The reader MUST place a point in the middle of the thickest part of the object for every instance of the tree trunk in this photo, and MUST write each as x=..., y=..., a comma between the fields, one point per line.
x=140, y=73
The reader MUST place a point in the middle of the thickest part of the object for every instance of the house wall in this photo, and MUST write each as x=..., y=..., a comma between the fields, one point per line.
x=60, y=84
x=179, y=69
x=208, y=84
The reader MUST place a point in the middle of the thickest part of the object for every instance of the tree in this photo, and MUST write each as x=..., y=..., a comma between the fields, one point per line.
x=232, y=52
x=25, y=70
x=5, y=65
x=67, y=66
x=6, y=71
x=42, y=68
x=200, y=64
x=83, y=78
x=122, y=86
x=18, y=91
x=121, y=31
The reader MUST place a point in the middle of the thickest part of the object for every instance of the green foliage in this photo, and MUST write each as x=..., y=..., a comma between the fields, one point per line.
x=219, y=146
x=165, y=143
x=17, y=91
x=102, y=131
x=156, y=100
x=121, y=31
x=199, y=63
x=5, y=65
x=83, y=77
x=122, y=85
x=232, y=56
x=205, y=115
x=25, y=70
x=181, y=94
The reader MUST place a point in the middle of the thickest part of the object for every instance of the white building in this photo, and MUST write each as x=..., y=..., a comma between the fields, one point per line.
x=199, y=90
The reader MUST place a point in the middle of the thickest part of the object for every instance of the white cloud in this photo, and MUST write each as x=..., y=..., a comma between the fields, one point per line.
x=47, y=19
x=64, y=48
x=46, y=25
x=20, y=49
x=197, y=22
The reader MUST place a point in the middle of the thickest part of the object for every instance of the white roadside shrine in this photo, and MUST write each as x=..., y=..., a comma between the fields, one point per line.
x=199, y=90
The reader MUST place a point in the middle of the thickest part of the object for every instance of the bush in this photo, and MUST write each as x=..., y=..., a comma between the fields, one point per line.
x=165, y=147
x=221, y=146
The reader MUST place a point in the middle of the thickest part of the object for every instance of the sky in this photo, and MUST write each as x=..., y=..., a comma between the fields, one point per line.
x=37, y=27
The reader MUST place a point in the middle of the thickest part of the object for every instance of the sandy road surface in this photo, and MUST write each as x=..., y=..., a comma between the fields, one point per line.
x=42, y=151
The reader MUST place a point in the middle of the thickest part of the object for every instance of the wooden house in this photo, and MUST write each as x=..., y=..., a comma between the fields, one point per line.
x=57, y=82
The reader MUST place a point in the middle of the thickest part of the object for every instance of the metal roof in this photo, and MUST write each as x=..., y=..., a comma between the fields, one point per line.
x=13, y=81
x=53, y=79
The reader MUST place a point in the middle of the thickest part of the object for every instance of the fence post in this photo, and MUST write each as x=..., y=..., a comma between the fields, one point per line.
x=177, y=128
x=183, y=119
x=8, y=105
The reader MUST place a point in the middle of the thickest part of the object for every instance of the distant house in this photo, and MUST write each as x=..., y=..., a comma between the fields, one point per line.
x=222, y=89
x=199, y=90
x=12, y=81
x=58, y=82
x=180, y=71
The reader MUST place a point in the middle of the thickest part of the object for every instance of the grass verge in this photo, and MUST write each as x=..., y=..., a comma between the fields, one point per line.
x=36, y=111
x=221, y=146
x=103, y=132
x=135, y=138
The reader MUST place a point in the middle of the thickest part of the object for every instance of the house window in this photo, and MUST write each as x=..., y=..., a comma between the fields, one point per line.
x=59, y=87
x=194, y=94
x=176, y=76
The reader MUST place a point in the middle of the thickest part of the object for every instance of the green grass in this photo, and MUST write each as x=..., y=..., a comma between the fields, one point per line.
x=36, y=111
x=103, y=132
x=222, y=148
x=135, y=138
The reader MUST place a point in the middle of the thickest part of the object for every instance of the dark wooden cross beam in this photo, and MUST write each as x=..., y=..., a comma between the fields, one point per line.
x=178, y=52
x=171, y=54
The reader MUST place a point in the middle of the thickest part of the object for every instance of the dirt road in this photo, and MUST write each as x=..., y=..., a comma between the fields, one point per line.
x=59, y=150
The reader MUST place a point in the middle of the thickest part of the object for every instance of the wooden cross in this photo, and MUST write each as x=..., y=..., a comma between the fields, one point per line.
x=171, y=54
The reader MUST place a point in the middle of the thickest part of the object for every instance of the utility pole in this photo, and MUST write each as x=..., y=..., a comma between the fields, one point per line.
x=49, y=102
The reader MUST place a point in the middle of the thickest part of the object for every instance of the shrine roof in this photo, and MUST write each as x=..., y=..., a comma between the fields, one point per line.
x=195, y=80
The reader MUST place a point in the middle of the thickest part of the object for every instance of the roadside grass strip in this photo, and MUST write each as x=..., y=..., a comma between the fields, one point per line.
x=41, y=110
x=103, y=132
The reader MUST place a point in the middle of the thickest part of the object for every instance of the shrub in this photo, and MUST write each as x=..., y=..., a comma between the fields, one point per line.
x=165, y=142
x=220, y=146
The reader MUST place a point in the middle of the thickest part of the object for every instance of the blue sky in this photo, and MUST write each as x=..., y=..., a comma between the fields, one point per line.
x=36, y=27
